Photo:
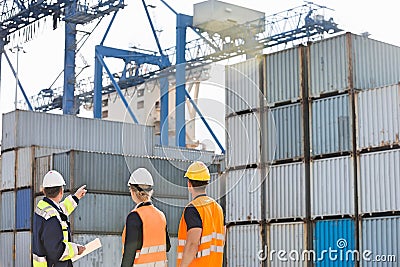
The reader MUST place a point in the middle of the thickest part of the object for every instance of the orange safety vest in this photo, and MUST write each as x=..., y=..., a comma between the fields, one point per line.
x=211, y=246
x=154, y=248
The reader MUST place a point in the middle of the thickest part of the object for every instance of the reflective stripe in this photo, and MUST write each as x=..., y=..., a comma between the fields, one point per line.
x=180, y=255
x=205, y=252
x=181, y=242
x=38, y=259
x=205, y=239
x=152, y=264
x=153, y=249
x=68, y=205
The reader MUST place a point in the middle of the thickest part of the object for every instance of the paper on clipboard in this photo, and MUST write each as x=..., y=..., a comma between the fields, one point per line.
x=90, y=247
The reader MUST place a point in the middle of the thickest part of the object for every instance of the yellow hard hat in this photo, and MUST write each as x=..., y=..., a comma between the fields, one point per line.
x=198, y=171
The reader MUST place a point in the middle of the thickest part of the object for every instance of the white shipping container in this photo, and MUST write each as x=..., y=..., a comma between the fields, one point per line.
x=243, y=242
x=287, y=237
x=378, y=182
x=332, y=187
x=23, y=249
x=24, y=166
x=378, y=113
x=244, y=133
x=7, y=210
x=7, y=249
x=243, y=88
x=286, y=191
x=8, y=170
x=243, y=195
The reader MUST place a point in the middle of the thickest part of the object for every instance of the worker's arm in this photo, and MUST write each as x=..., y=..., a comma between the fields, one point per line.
x=56, y=248
x=191, y=246
x=133, y=239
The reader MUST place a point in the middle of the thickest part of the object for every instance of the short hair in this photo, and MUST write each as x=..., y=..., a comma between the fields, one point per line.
x=52, y=192
x=198, y=185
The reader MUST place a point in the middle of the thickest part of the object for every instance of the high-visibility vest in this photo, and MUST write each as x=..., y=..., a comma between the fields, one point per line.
x=211, y=246
x=47, y=211
x=154, y=249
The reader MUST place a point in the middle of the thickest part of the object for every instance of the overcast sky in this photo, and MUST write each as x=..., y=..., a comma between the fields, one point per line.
x=44, y=55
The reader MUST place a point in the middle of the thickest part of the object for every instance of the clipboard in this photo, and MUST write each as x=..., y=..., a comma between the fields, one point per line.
x=90, y=247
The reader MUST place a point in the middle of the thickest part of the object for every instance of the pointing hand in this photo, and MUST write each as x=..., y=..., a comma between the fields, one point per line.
x=81, y=192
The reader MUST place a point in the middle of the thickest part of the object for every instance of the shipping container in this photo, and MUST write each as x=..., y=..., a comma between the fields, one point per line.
x=378, y=114
x=7, y=211
x=243, y=243
x=173, y=209
x=290, y=238
x=216, y=187
x=24, y=209
x=110, y=253
x=184, y=153
x=7, y=249
x=114, y=209
x=42, y=166
x=380, y=241
x=243, y=195
x=286, y=191
x=71, y=132
x=378, y=181
x=103, y=172
x=8, y=160
x=283, y=72
x=351, y=61
x=331, y=125
x=334, y=243
x=244, y=133
x=332, y=187
x=243, y=87
x=24, y=166
x=285, y=134
x=23, y=249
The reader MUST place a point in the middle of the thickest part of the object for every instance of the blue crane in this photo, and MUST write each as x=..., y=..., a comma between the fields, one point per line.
x=296, y=24
x=25, y=15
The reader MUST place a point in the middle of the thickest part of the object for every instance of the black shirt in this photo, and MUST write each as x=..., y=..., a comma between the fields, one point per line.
x=192, y=216
x=134, y=237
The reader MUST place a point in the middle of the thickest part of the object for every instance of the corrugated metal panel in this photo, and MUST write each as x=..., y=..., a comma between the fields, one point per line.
x=23, y=249
x=285, y=135
x=246, y=131
x=42, y=166
x=332, y=187
x=71, y=132
x=375, y=63
x=87, y=218
x=173, y=253
x=378, y=113
x=24, y=166
x=7, y=170
x=242, y=86
x=242, y=244
x=328, y=65
x=7, y=247
x=243, y=195
x=381, y=236
x=184, y=154
x=7, y=219
x=24, y=208
x=331, y=125
x=47, y=151
x=287, y=237
x=110, y=253
x=336, y=235
x=286, y=191
x=379, y=181
x=283, y=72
x=172, y=208
x=215, y=188
x=62, y=164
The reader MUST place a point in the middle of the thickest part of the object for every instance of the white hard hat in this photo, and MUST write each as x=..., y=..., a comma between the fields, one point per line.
x=52, y=179
x=141, y=176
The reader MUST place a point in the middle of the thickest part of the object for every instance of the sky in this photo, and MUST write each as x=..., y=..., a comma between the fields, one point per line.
x=42, y=59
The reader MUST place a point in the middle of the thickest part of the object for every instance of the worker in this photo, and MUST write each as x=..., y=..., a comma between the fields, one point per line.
x=145, y=237
x=201, y=234
x=52, y=244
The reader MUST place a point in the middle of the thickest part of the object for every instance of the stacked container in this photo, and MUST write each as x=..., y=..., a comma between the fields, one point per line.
x=325, y=153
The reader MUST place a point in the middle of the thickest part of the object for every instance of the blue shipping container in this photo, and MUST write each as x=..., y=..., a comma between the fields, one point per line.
x=334, y=243
x=24, y=209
